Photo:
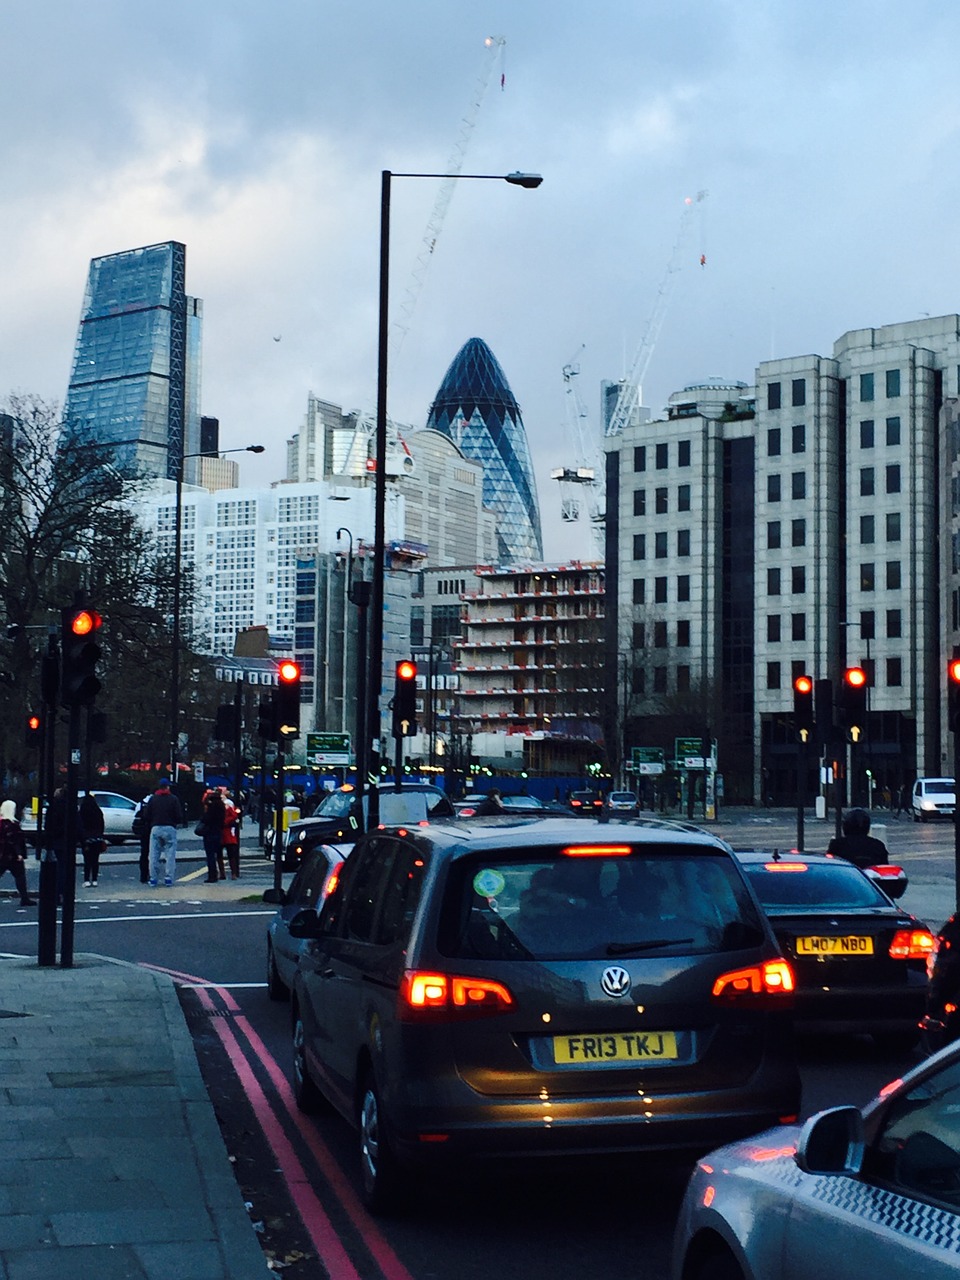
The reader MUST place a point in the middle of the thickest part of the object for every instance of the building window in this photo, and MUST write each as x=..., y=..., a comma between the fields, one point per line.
x=894, y=624
x=659, y=679
x=893, y=478
x=867, y=529
x=893, y=383
x=660, y=545
x=866, y=482
x=894, y=672
x=640, y=458
x=639, y=681
x=867, y=577
x=798, y=626
x=773, y=628
x=659, y=635
x=868, y=625
x=773, y=675
x=893, y=575
x=798, y=484
x=683, y=634
x=639, y=590
x=683, y=586
x=683, y=542
x=683, y=498
x=798, y=579
x=773, y=395
x=661, y=504
x=639, y=546
x=799, y=438
x=866, y=433
x=773, y=534
x=893, y=526
x=773, y=488
x=683, y=679
x=639, y=502
x=773, y=442
x=866, y=387
x=773, y=582
x=683, y=453
x=798, y=533
x=660, y=590
x=662, y=457
x=798, y=392
x=893, y=431
x=639, y=635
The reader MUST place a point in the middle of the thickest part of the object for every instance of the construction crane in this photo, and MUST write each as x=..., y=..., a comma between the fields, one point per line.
x=631, y=388
x=585, y=475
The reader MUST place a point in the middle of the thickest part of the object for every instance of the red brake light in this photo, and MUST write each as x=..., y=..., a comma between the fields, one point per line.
x=451, y=994
x=331, y=882
x=911, y=944
x=772, y=978
x=887, y=869
x=597, y=851
x=785, y=866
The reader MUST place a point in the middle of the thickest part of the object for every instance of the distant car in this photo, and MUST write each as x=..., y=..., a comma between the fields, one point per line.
x=477, y=990
x=317, y=871
x=513, y=804
x=851, y=1195
x=586, y=804
x=117, y=810
x=933, y=798
x=859, y=959
x=622, y=802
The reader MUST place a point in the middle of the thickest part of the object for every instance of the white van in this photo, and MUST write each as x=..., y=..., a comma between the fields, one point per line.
x=933, y=798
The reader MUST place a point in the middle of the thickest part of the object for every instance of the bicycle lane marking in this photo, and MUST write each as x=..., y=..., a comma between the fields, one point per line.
x=312, y=1210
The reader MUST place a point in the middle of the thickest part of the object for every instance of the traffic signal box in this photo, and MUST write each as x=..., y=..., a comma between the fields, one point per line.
x=953, y=693
x=803, y=706
x=405, y=700
x=267, y=718
x=33, y=733
x=853, y=702
x=288, y=698
x=225, y=727
x=79, y=654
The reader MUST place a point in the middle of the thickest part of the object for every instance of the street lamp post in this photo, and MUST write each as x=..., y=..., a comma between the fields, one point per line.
x=375, y=676
x=175, y=622
x=358, y=593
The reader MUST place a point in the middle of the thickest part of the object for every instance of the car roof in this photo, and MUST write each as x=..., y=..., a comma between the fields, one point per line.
x=755, y=856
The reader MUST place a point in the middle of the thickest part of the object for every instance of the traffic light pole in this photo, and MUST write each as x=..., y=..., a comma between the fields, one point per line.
x=47, y=892
x=801, y=785
x=69, y=878
x=278, y=849
x=956, y=818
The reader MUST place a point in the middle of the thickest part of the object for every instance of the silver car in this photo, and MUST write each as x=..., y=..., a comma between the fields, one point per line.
x=117, y=811
x=851, y=1195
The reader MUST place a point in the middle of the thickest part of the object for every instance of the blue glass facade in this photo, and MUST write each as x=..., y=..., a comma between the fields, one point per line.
x=135, y=383
x=477, y=410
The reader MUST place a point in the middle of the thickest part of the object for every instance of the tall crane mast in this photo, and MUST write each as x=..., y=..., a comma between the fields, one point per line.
x=585, y=474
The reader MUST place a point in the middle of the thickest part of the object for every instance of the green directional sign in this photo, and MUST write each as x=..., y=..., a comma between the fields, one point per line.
x=327, y=748
x=688, y=753
x=647, y=761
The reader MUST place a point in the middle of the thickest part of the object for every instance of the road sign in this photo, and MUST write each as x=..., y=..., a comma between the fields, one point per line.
x=688, y=753
x=647, y=761
x=327, y=748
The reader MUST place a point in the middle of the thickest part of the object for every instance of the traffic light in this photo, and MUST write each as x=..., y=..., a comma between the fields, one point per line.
x=33, y=733
x=267, y=718
x=79, y=654
x=405, y=699
x=854, y=701
x=288, y=698
x=953, y=693
x=823, y=710
x=225, y=727
x=803, y=706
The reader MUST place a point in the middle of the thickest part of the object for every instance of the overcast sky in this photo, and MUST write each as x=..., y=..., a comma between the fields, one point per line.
x=825, y=134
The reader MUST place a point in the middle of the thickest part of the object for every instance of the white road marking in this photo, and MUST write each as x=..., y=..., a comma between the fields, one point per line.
x=182, y=915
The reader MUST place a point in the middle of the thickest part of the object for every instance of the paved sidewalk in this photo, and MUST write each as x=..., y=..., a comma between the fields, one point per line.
x=112, y=1166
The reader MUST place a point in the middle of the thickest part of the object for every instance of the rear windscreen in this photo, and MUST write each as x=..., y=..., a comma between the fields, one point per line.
x=815, y=887
x=542, y=905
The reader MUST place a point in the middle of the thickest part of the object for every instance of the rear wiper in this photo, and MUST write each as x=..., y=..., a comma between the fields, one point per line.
x=649, y=944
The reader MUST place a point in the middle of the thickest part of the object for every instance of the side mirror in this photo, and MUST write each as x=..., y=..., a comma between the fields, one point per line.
x=275, y=897
x=832, y=1142
x=305, y=924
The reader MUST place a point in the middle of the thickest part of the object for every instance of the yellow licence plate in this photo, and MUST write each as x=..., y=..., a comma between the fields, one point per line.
x=626, y=1046
x=847, y=945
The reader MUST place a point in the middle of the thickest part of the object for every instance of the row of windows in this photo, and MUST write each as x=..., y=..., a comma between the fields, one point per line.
x=656, y=632
x=661, y=500
x=659, y=680
x=868, y=432
x=662, y=456
x=892, y=575
x=798, y=483
x=776, y=631
x=798, y=389
x=868, y=480
x=798, y=486
x=892, y=667
x=892, y=525
x=660, y=588
x=891, y=384
x=798, y=534
x=798, y=393
x=798, y=580
x=660, y=544
x=798, y=440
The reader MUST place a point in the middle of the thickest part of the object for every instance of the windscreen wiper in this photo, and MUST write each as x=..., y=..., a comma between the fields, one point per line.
x=649, y=944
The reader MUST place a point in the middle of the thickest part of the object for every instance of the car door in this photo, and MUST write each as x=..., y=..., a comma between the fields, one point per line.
x=901, y=1216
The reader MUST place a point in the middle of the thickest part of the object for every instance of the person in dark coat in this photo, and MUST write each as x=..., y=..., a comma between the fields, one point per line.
x=214, y=816
x=490, y=805
x=856, y=844
x=55, y=835
x=91, y=839
x=163, y=813
x=13, y=851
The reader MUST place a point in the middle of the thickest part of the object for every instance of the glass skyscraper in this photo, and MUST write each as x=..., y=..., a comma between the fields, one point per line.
x=477, y=410
x=135, y=384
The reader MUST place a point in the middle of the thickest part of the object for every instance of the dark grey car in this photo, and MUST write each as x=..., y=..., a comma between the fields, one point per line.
x=308, y=888
x=517, y=988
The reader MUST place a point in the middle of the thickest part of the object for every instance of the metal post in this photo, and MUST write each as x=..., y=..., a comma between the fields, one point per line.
x=238, y=753
x=801, y=787
x=47, y=890
x=175, y=627
x=69, y=883
x=278, y=850
x=956, y=819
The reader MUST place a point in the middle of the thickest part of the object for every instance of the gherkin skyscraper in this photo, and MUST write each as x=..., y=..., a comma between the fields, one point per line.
x=477, y=410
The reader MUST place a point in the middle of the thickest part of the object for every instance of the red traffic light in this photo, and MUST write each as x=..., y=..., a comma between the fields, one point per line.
x=33, y=723
x=85, y=621
x=953, y=671
x=406, y=670
x=288, y=671
x=803, y=684
x=855, y=678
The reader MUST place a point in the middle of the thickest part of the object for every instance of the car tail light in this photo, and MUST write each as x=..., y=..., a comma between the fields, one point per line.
x=596, y=851
x=332, y=881
x=450, y=995
x=887, y=870
x=911, y=944
x=785, y=866
x=772, y=978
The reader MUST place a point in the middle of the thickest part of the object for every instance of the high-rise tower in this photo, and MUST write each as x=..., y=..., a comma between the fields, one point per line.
x=135, y=384
x=477, y=410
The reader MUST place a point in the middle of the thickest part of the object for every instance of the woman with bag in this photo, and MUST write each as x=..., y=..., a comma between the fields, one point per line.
x=13, y=851
x=91, y=839
x=210, y=827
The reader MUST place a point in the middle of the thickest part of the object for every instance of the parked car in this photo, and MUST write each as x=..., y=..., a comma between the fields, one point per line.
x=313, y=880
x=336, y=820
x=118, y=814
x=585, y=804
x=859, y=959
x=622, y=802
x=476, y=990
x=851, y=1195
x=933, y=798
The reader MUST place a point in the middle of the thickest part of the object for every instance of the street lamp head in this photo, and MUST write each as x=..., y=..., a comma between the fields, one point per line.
x=529, y=180
x=254, y=448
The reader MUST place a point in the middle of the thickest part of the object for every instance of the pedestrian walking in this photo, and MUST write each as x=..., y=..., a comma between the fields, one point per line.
x=162, y=814
x=142, y=833
x=231, y=835
x=214, y=815
x=55, y=836
x=13, y=851
x=92, y=843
